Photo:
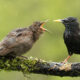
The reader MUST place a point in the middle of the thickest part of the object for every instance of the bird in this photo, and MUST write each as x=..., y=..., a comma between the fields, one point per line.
x=71, y=35
x=21, y=40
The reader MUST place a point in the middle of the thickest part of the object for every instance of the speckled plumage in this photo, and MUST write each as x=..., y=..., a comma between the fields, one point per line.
x=21, y=40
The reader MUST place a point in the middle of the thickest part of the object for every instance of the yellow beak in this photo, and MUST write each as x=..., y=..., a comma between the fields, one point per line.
x=59, y=20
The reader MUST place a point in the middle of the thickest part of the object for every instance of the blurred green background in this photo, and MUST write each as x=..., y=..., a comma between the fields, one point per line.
x=50, y=47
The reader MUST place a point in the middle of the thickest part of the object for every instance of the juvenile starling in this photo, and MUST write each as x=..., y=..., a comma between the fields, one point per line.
x=71, y=35
x=21, y=40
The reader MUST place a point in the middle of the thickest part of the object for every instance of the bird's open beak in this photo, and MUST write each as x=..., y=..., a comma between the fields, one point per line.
x=59, y=20
x=43, y=25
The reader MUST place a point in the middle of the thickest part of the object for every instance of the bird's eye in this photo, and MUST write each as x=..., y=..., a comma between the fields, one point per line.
x=72, y=20
x=66, y=21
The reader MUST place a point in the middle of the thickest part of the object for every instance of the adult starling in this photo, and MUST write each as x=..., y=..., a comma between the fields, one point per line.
x=71, y=35
x=21, y=40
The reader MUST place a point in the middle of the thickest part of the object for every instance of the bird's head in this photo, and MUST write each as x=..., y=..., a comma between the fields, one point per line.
x=37, y=29
x=69, y=22
x=38, y=26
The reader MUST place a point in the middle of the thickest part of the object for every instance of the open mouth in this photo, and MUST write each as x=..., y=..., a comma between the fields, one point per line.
x=43, y=25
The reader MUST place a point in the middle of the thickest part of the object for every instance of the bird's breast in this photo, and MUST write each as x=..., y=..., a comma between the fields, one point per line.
x=67, y=34
x=72, y=41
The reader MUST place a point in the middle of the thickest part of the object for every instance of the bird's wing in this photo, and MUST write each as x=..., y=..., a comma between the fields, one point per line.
x=14, y=39
x=77, y=37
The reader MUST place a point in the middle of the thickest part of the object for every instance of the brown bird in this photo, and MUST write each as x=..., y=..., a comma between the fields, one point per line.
x=21, y=40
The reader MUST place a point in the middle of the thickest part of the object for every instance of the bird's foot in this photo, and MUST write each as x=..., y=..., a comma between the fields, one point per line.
x=64, y=62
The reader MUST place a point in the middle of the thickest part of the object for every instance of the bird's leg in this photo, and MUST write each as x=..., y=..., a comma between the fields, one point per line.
x=66, y=59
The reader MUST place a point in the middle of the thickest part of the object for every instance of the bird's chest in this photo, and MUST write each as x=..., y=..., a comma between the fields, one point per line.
x=68, y=37
x=73, y=37
x=72, y=41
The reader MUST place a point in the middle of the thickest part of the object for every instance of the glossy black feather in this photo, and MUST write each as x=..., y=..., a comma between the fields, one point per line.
x=72, y=35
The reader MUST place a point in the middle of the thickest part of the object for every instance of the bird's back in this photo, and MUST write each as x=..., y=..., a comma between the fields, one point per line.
x=16, y=42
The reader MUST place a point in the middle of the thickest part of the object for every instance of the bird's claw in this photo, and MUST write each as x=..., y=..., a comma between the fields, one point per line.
x=64, y=62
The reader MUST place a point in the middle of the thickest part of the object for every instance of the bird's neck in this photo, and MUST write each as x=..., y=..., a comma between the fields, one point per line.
x=36, y=33
x=36, y=36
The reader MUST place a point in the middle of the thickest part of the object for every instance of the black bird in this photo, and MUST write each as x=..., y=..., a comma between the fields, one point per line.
x=21, y=40
x=71, y=35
